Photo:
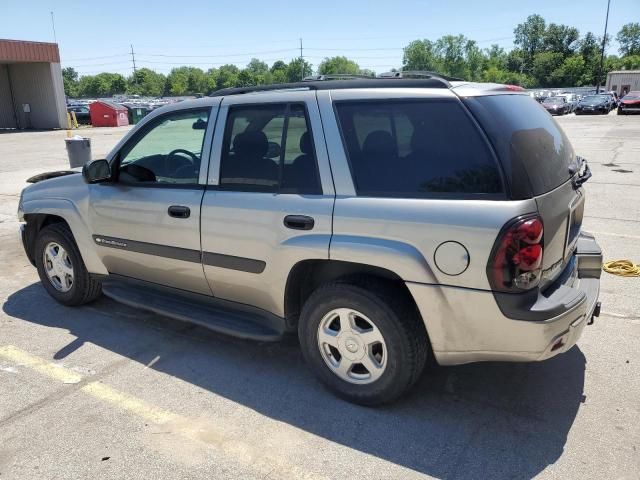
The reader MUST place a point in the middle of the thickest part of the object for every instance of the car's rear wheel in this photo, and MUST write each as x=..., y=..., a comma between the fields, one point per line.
x=61, y=269
x=366, y=343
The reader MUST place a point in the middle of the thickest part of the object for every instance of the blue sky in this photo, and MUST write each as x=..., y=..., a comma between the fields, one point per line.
x=96, y=36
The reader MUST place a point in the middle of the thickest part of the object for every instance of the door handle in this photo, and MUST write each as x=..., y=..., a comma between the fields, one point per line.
x=299, y=222
x=179, y=211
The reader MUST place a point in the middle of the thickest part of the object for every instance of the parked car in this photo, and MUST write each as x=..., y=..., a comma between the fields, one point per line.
x=81, y=112
x=373, y=217
x=593, y=104
x=556, y=105
x=612, y=103
x=630, y=103
x=572, y=101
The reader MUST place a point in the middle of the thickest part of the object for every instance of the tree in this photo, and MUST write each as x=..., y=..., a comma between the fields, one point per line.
x=227, y=76
x=338, y=65
x=279, y=72
x=496, y=57
x=146, y=82
x=420, y=55
x=529, y=36
x=570, y=73
x=297, y=69
x=70, y=81
x=102, y=85
x=186, y=81
x=544, y=64
x=629, y=39
x=560, y=39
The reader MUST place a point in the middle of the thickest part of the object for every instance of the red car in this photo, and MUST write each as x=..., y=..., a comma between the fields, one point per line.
x=630, y=103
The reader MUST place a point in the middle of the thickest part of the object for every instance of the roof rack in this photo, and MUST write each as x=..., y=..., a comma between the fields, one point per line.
x=418, y=74
x=368, y=82
x=335, y=76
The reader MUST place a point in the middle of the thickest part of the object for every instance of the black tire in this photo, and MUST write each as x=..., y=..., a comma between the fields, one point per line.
x=397, y=319
x=84, y=288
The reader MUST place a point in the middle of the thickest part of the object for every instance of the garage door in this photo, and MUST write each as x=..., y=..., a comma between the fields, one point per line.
x=7, y=114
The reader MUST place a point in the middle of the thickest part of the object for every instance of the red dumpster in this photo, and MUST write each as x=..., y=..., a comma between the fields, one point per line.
x=108, y=114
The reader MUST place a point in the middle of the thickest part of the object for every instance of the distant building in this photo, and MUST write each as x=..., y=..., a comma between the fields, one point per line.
x=31, y=87
x=623, y=81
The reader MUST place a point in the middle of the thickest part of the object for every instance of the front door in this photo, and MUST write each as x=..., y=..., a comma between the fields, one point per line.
x=146, y=223
x=269, y=198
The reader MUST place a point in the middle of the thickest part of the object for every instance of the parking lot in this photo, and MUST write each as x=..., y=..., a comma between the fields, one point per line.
x=106, y=391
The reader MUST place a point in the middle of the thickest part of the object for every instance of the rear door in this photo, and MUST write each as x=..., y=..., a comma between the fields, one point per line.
x=269, y=197
x=539, y=161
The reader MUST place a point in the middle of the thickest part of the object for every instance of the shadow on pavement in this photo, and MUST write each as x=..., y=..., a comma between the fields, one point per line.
x=487, y=420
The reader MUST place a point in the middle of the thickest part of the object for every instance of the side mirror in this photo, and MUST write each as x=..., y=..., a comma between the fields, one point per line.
x=96, y=171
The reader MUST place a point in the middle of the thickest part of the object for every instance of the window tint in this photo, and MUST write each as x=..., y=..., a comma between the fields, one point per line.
x=416, y=149
x=168, y=153
x=535, y=152
x=269, y=148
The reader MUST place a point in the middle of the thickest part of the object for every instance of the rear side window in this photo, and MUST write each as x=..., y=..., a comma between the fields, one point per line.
x=416, y=149
x=535, y=152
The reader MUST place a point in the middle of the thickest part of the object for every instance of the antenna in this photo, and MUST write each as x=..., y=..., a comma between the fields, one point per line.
x=53, y=26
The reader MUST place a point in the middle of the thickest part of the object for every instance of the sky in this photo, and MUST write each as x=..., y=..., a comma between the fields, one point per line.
x=97, y=36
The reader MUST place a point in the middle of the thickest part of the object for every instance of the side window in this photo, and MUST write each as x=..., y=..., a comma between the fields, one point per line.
x=416, y=149
x=168, y=153
x=269, y=148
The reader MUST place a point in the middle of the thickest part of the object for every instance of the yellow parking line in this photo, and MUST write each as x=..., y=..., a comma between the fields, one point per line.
x=131, y=404
x=51, y=370
x=263, y=461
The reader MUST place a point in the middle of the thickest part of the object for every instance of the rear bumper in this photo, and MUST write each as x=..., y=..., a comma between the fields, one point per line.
x=468, y=326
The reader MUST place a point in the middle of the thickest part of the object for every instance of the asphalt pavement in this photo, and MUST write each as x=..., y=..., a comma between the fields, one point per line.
x=106, y=391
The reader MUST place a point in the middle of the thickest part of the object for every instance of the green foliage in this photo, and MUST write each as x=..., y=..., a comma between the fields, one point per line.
x=102, y=85
x=420, y=55
x=146, y=82
x=338, y=65
x=629, y=39
x=70, y=81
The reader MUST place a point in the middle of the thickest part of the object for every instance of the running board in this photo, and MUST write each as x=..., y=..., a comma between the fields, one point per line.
x=219, y=316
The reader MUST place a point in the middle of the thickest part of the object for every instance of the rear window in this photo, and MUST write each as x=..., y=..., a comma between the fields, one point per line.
x=416, y=149
x=534, y=151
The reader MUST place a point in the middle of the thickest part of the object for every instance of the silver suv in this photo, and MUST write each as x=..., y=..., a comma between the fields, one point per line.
x=385, y=220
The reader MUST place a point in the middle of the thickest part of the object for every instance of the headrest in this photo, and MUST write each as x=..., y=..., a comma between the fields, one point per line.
x=379, y=142
x=305, y=143
x=252, y=144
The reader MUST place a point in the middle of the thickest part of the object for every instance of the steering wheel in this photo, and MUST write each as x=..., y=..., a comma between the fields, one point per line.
x=182, y=153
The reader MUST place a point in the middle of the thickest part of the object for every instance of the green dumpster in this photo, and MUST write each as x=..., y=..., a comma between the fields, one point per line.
x=136, y=113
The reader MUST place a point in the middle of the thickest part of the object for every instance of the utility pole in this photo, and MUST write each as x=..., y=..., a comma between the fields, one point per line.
x=53, y=26
x=301, y=62
x=133, y=60
x=604, y=41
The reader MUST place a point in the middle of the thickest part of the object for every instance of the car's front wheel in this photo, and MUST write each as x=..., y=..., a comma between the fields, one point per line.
x=365, y=342
x=61, y=269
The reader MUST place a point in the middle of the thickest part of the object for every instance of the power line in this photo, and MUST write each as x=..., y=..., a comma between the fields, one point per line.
x=97, y=58
x=266, y=52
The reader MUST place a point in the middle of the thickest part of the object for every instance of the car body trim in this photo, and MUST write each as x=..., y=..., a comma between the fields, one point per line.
x=231, y=262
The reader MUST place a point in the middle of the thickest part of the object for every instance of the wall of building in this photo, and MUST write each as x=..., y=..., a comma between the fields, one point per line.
x=40, y=86
x=7, y=115
x=620, y=79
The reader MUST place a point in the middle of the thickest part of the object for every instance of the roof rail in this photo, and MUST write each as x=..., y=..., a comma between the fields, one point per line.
x=418, y=74
x=369, y=82
x=335, y=76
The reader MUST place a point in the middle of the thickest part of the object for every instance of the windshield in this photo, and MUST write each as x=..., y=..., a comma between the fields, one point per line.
x=554, y=100
x=632, y=96
x=593, y=98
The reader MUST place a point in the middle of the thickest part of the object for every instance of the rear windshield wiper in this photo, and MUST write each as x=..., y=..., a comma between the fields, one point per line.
x=581, y=168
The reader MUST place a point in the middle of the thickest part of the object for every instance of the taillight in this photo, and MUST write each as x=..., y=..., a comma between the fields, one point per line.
x=516, y=260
